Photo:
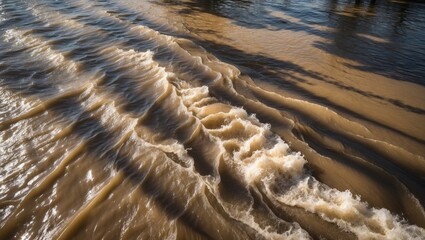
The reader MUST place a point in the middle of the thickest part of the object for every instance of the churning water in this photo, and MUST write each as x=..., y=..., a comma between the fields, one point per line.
x=212, y=119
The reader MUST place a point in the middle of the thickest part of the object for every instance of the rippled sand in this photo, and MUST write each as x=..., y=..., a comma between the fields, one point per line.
x=164, y=120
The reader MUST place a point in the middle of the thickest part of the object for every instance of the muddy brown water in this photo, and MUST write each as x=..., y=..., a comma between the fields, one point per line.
x=212, y=119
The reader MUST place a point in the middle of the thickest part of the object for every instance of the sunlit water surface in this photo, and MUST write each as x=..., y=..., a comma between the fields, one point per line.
x=212, y=119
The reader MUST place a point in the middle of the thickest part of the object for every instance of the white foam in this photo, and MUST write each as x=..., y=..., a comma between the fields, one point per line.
x=274, y=163
x=347, y=211
x=261, y=157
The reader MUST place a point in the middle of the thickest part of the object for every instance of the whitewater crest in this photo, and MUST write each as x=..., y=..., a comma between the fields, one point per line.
x=106, y=118
x=267, y=159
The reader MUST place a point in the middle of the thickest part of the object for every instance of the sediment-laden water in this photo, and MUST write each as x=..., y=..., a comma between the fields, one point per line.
x=212, y=119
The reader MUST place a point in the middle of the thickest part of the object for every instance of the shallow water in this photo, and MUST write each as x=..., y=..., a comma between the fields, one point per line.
x=212, y=119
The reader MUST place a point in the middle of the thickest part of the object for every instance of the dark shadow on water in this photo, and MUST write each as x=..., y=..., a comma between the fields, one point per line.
x=125, y=89
x=100, y=141
x=254, y=64
x=269, y=69
x=400, y=54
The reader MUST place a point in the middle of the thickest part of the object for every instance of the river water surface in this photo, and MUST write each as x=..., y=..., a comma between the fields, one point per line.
x=213, y=119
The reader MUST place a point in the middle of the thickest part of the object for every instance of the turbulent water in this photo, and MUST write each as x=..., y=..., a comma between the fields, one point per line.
x=212, y=119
